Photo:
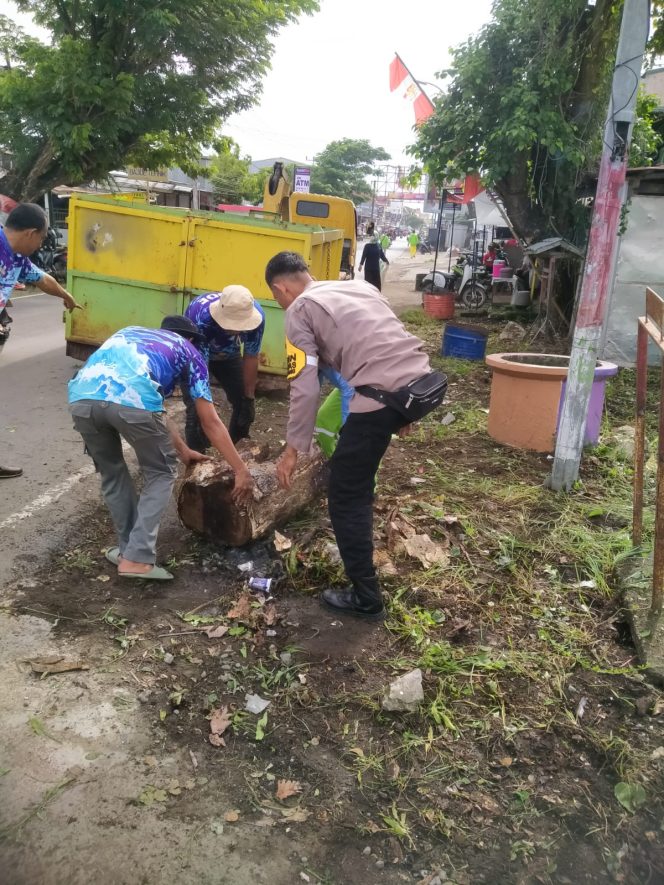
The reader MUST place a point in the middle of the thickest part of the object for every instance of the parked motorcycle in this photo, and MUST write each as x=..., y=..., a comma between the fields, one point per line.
x=424, y=248
x=51, y=257
x=471, y=284
x=474, y=281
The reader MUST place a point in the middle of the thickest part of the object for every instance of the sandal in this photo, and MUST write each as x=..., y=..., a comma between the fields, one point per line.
x=113, y=555
x=156, y=573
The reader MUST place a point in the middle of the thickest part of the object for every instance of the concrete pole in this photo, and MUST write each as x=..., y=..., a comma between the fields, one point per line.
x=602, y=243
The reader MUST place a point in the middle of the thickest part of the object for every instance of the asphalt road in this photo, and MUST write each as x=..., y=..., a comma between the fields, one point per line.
x=36, y=434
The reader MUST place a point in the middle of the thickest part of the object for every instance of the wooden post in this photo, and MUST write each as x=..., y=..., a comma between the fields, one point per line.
x=658, y=558
x=640, y=432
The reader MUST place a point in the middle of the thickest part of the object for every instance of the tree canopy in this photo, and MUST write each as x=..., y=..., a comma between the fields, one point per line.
x=341, y=169
x=138, y=81
x=231, y=179
x=525, y=109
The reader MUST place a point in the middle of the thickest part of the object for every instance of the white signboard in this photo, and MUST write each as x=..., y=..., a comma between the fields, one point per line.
x=302, y=180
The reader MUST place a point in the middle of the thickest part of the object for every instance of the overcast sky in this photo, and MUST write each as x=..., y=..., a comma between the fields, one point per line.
x=329, y=76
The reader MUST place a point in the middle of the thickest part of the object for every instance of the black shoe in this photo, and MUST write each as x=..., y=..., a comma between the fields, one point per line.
x=8, y=473
x=361, y=600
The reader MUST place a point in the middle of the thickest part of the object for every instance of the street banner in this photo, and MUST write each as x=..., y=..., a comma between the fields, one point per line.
x=302, y=180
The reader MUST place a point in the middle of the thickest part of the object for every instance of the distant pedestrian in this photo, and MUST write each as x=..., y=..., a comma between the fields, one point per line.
x=372, y=255
x=413, y=243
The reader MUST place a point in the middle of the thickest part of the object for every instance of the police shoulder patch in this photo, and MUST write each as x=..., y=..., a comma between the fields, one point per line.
x=296, y=360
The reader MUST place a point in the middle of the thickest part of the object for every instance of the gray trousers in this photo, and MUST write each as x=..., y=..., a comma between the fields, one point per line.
x=136, y=519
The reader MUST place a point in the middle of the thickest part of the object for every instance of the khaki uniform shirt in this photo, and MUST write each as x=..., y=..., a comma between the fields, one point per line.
x=349, y=326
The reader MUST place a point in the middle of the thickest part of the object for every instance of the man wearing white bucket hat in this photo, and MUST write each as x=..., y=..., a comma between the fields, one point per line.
x=231, y=326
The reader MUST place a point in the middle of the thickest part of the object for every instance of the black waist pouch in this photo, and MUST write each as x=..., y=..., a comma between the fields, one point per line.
x=416, y=399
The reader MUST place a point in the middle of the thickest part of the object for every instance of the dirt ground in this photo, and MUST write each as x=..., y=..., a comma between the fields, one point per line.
x=536, y=756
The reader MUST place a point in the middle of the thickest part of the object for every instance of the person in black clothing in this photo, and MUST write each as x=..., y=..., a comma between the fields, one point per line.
x=372, y=255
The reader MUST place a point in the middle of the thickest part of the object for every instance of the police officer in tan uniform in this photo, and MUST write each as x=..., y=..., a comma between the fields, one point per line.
x=350, y=327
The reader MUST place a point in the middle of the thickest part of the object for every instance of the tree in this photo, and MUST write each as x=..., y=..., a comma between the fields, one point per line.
x=231, y=179
x=525, y=108
x=229, y=175
x=138, y=82
x=341, y=169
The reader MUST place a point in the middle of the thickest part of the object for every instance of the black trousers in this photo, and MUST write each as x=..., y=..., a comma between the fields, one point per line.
x=230, y=376
x=363, y=442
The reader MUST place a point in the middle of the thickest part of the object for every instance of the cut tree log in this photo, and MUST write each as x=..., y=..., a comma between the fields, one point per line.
x=205, y=504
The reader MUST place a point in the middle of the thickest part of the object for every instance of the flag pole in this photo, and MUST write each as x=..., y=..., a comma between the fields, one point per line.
x=414, y=79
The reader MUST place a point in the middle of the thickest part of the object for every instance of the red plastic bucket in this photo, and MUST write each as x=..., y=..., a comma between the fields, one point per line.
x=440, y=306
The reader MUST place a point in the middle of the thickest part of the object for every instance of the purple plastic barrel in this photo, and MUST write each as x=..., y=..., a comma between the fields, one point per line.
x=603, y=370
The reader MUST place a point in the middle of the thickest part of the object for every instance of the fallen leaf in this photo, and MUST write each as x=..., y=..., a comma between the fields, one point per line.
x=384, y=564
x=630, y=796
x=102, y=578
x=215, y=632
x=658, y=707
x=285, y=789
x=260, y=727
x=270, y=615
x=46, y=666
x=294, y=815
x=151, y=794
x=216, y=740
x=174, y=787
x=393, y=770
x=506, y=761
x=219, y=720
x=216, y=827
x=38, y=727
x=241, y=611
x=282, y=543
x=427, y=551
x=194, y=760
x=232, y=816
x=150, y=761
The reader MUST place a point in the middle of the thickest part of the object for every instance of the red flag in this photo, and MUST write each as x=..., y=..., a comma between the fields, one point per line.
x=401, y=76
x=471, y=188
x=423, y=108
x=398, y=73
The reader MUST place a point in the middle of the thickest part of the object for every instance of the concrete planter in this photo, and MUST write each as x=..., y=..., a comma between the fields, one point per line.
x=526, y=399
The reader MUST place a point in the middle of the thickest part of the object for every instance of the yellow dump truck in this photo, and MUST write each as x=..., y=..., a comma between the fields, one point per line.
x=304, y=208
x=132, y=263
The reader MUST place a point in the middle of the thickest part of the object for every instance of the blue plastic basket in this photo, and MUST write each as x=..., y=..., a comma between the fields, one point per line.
x=464, y=342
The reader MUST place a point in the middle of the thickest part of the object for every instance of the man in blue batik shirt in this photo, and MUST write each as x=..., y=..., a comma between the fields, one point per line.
x=119, y=394
x=24, y=231
x=231, y=326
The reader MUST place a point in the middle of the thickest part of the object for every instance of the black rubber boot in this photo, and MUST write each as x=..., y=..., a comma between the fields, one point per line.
x=361, y=600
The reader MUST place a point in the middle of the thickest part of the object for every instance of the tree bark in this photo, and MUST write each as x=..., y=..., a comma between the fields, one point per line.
x=528, y=220
x=205, y=504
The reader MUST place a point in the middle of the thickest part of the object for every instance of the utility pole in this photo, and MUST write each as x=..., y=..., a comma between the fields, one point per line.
x=602, y=243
